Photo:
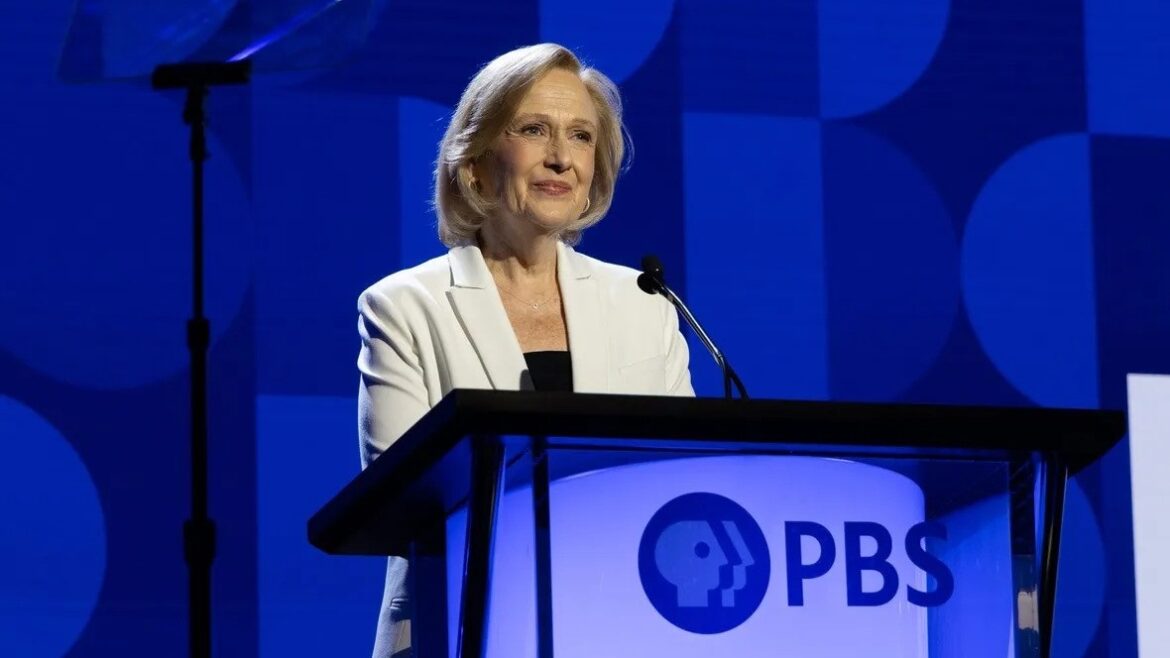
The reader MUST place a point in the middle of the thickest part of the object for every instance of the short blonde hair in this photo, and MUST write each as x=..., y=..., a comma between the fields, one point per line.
x=485, y=109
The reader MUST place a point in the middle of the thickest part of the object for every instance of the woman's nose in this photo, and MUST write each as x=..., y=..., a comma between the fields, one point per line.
x=558, y=157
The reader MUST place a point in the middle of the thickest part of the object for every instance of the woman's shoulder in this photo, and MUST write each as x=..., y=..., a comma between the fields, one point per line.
x=425, y=279
x=604, y=271
x=620, y=283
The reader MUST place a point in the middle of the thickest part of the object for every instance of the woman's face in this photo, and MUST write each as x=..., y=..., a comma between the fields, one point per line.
x=541, y=168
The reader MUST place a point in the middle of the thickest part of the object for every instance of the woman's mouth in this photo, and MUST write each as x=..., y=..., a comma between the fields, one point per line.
x=553, y=188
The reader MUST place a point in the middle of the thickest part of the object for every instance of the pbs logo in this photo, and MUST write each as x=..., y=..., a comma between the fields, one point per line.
x=704, y=563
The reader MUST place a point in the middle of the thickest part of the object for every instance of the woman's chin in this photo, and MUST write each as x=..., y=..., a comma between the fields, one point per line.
x=536, y=223
x=551, y=224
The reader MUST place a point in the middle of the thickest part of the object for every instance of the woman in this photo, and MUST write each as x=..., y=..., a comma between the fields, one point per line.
x=528, y=162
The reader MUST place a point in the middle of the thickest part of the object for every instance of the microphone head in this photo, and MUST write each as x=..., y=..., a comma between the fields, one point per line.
x=647, y=284
x=652, y=266
x=650, y=280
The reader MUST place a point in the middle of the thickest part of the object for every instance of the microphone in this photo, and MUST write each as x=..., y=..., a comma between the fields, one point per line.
x=652, y=281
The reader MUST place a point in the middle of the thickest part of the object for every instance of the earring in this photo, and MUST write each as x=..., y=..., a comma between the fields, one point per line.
x=586, y=206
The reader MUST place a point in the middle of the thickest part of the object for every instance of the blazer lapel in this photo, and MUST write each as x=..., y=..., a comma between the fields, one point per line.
x=588, y=342
x=476, y=301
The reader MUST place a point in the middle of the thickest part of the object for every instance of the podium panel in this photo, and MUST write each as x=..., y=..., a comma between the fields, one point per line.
x=743, y=555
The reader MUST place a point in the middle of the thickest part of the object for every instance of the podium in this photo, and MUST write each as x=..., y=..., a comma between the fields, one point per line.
x=541, y=524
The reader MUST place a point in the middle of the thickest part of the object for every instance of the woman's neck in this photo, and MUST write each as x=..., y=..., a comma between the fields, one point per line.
x=520, y=263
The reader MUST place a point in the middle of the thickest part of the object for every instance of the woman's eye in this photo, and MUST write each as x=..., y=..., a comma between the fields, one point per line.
x=584, y=136
x=532, y=129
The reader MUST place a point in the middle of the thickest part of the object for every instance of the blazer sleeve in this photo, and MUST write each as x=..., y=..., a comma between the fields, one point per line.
x=678, y=357
x=392, y=394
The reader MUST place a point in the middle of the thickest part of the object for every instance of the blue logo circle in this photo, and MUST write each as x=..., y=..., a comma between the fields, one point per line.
x=704, y=563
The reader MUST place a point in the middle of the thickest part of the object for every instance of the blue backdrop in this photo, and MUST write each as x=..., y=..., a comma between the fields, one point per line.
x=962, y=201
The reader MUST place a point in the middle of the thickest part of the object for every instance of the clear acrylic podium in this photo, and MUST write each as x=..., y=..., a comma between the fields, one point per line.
x=542, y=524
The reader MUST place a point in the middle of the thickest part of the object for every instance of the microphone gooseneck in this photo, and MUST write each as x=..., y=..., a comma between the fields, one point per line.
x=652, y=281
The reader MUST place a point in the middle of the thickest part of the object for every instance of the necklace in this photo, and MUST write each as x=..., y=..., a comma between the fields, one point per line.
x=535, y=306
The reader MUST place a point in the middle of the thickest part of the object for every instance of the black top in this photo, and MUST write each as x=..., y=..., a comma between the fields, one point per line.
x=426, y=473
x=550, y=371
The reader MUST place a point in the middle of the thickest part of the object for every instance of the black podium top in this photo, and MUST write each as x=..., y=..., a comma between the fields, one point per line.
x=426, y=473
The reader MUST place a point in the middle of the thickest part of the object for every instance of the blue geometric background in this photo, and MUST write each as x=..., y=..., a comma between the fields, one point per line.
x=916, y=201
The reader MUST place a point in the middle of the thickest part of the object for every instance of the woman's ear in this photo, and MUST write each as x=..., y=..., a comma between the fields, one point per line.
x=479, y=171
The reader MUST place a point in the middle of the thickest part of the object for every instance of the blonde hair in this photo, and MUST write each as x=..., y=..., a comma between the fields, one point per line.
x=484, y=111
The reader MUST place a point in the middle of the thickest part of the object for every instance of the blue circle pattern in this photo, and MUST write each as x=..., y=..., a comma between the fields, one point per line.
x=891, y=264
x=53, y=548
x=779, y=310
x=1028, y=272
x=1082, y=576
x=615, y=46
x=871, y=52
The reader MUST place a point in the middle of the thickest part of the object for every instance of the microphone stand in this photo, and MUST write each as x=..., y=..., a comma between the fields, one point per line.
x=729, y=375
x=651, y=281
x=199, y=529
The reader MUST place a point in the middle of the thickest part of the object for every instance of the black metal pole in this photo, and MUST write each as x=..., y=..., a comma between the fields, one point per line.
x=542, y=522
x=487, y=484
x=1055, y=479
x=1025, y=486
x=199, y=529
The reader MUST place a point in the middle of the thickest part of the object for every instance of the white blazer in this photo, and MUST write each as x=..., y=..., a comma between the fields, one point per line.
x=441, y=325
